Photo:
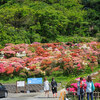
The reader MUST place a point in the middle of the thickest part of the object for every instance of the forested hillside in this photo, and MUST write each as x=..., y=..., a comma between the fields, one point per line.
x=27, y=21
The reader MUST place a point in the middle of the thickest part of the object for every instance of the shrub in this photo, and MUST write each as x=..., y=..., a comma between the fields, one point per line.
x=98, y=36
x=70, y=82
x=22, y=74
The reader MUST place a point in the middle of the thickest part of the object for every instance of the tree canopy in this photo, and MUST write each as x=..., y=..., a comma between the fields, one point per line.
x=27, y=21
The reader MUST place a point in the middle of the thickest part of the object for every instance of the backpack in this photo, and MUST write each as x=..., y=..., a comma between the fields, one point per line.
x=81, y=90
x=93, y=87
x=54, y=84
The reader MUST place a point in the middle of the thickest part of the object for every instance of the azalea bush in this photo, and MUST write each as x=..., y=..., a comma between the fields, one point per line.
x=40, y=59
x=73, y=86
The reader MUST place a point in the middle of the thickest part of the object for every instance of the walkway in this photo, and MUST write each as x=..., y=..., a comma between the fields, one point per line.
x=43, y=97
x=30, y=96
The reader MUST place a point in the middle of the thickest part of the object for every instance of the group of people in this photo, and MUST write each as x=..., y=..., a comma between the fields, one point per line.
x=89, y=88
x=53, y=87
x=80, y=91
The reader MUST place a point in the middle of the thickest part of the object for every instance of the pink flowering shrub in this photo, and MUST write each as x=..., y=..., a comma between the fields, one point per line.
x=73, y=87
x=2, y=69
x=97, y=85
x=46, y=58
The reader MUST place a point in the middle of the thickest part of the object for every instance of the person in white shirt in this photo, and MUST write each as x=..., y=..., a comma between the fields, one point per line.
x=46, y=87
x=89, y=90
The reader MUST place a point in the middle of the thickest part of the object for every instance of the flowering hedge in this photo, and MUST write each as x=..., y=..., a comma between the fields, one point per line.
x=73, y=87
x=45, y=58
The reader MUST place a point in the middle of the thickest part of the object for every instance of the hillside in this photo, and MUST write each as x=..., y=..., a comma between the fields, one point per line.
x=48, y=59
x=27, y=21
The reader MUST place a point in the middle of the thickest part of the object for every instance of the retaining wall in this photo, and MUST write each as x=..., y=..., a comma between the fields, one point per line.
x=32, y=88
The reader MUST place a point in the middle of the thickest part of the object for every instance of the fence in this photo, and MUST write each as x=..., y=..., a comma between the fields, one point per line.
x=73, y=96
x=32, y=87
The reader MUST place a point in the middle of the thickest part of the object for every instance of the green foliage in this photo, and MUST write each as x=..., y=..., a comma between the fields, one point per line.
x=70, y=82
x=27, y=21
x=93, y=16
x=3, y=2
x=98, y=36
x=57, y=73
x=11, y=34
x=1, y=47
x=59, y=77
x=31, y=74
x=74, y=39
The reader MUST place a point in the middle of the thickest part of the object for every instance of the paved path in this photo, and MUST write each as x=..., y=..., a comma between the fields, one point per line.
x=30, y=96
x=43, y=97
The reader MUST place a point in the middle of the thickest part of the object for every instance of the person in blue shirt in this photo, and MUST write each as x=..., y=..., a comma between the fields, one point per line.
x=89, y=90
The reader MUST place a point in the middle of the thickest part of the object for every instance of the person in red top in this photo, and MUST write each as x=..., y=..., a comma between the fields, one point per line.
x=80, y=91
x=81, y=84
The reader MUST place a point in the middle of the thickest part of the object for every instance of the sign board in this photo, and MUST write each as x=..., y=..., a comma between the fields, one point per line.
x=20, y=83
x=34, y=81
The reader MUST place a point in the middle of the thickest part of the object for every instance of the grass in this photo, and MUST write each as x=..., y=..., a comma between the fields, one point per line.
x=10, y=80
x=59, y=77
x=75, y=38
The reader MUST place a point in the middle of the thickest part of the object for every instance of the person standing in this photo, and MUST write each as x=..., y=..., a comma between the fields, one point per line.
x=46, y=87
x=80, y=90
x=54, y=87
x=90, y=87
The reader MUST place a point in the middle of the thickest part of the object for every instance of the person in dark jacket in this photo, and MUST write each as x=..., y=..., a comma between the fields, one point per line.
x=54, y=87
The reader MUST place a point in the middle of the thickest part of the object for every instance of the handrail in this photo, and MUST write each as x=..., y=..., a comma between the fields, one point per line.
x=63, y=95
x=96, y=94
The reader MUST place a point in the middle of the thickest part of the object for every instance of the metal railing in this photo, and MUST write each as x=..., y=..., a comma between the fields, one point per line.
x=73, y=95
